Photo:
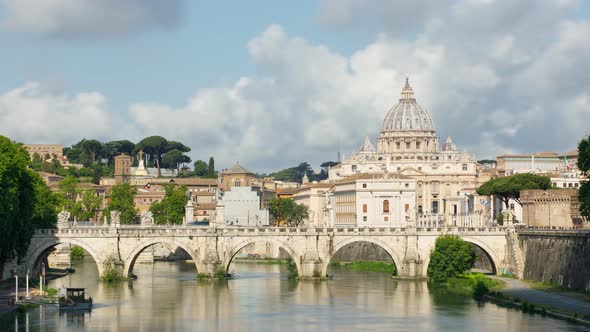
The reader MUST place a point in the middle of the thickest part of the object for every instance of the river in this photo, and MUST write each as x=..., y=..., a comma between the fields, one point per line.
x=166, y=297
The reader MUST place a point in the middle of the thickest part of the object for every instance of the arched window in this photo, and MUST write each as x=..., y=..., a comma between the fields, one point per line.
x=237, y=183
x=385, y=206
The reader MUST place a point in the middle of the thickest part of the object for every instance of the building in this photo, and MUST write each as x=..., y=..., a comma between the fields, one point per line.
x=45, y=151
x=374, y=200
x=552, y=208
x=241, y=207
x=237, y=176
x=50, y=179
x=408, y=145
x=539, y=162
x=122, y=168
x=314, y=196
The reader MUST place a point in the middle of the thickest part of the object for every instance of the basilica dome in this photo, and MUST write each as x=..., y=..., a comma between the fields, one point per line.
x=407, y=115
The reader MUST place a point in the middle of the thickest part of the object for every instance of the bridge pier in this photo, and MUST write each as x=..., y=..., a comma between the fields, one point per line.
x=412, y=266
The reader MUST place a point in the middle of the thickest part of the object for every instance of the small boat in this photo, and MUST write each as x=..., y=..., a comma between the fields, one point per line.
x=74, y=299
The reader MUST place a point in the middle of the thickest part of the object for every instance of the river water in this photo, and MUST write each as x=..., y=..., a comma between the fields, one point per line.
x=166, y=297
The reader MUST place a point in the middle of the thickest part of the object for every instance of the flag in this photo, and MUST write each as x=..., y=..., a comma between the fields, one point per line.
x=567, y=166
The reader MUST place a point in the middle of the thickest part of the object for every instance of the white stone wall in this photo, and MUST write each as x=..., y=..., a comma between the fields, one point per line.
x=242, y=208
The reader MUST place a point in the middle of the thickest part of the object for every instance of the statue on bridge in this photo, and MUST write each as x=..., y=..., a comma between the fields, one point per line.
x=147, y=218
x=63, y=218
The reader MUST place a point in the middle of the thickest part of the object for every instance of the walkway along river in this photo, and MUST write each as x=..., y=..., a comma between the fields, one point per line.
x=166, y=297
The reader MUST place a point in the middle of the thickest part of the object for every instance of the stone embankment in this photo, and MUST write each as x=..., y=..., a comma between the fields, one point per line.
x=558, y=257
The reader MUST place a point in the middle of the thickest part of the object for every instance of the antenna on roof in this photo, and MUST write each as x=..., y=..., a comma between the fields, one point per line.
x=338, y=155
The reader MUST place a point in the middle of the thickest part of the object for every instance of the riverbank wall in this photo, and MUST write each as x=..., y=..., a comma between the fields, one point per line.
x=558, y=257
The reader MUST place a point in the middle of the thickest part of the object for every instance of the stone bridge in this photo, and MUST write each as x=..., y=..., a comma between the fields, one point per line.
x=212, y=249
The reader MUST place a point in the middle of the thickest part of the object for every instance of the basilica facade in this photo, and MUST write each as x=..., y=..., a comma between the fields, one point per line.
x=408, y=145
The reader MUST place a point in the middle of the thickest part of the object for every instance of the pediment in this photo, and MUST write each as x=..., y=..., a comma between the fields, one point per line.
x=409, y=171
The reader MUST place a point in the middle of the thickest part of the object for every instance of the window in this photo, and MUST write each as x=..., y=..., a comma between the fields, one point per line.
x=434, y=206
x=576, y=185
x=407, y=145
x=364, y=208
x=399, y=169
x=236, y=183
x=386, y=218
x=512, y=206
x=406, y=207
x=407, y=185
x=419, y=168
x=364, y=218
x=364, y=185
x=397, y=145
x=419, y=208
x=464, y=167
x=570, y=185
x=385, y=206
x=417, y=145
x=564, y=185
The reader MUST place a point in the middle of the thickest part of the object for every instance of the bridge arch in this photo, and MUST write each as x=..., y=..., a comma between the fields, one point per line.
x=138, y=249
x=34, y=256
x=397, y=261
x=237, y=247
x=489, y=252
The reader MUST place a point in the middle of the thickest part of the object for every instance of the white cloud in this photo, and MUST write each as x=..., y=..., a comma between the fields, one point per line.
x=89, y=19
x=34, y=114
x=517, y=88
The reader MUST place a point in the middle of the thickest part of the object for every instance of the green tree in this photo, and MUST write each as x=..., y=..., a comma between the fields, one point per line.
x=96, y=173
x=509, y=187
x=211, y=169
x=201, y=168
x=297, y=215
x=154, y=147
x=114, y=148
x=450, y=258
x=121, y=200
x=173, y=158
x=93, y=149
x=46, y=206
x=68, y=193
x=17, y=200
x=584, y=166
x=87, y=206
x=171, y=208
x=287, y=212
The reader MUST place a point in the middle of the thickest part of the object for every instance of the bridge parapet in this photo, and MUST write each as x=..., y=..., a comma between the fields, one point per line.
x=212, y=249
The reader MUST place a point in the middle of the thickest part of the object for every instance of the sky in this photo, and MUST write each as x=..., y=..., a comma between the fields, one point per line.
x=272, y=83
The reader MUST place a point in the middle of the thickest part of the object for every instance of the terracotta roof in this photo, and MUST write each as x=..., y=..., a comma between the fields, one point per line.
x=237, y=169
x=47, y=175
x=205, y=206
x=195, y=181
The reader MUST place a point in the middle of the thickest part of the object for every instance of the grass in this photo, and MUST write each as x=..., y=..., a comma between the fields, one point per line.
x=111, y=275
x=551, y=288
x=263, y=261
x=372, y=266
x=465, y=284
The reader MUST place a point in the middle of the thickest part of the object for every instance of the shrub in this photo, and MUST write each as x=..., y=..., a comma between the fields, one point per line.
x=292, y=268
x=480, y=290
x=76, y=253
x=450, y=258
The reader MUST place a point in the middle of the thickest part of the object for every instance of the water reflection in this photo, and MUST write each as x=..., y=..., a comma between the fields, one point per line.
x=166, y=297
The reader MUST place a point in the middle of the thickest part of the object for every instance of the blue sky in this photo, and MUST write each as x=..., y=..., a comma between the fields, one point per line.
x=274, y=83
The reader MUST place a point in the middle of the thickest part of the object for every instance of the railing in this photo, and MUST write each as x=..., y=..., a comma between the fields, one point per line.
x=188, y=230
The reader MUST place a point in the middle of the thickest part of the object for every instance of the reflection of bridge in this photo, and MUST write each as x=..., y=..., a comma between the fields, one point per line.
x=212, y=249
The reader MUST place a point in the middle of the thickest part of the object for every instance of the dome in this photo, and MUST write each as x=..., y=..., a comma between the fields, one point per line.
x=407, y=115
x=367, y=147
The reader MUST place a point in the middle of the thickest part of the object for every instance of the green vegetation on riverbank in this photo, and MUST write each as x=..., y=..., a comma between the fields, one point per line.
x=551, y=288
x=373, y=266
x=471, y=284
x=76, y=253
x=262, y=261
